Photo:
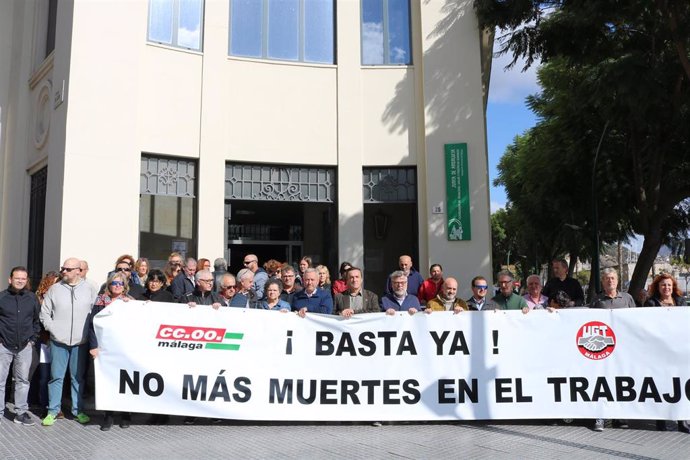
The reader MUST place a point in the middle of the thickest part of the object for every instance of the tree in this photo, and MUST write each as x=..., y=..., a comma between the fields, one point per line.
x=627, y=66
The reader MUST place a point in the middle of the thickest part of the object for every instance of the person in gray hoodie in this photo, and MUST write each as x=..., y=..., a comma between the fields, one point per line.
x=64, y=314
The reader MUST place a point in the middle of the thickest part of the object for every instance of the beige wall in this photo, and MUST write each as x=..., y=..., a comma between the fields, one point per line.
x=125, y=96
x=453, y=111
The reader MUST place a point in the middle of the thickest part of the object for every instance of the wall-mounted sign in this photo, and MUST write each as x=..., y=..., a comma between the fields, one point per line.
x=457, y=193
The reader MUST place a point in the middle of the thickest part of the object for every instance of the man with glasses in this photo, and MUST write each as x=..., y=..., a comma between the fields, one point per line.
x=506, y=298
x=19, y=330
x=399, y=299
x=478, y=300
x=290, y=287
x=414, y=279
x=64, y=315
x=227, y=286
x=183, y=284
x=260, y=276
x=203, y=293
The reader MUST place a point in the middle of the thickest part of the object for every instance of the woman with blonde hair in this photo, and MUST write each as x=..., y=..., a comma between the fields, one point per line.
x=115, y=289
x=324, y=278
x=141, y=269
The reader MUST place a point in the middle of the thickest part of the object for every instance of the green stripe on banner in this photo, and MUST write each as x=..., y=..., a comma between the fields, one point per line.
x=222, y=346
x=234, y=335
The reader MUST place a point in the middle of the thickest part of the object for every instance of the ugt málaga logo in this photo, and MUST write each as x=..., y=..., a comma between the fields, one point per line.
x=596, y=340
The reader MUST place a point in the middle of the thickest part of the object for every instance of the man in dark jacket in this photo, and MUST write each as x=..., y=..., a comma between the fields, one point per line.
x=183, y=284
x=478, y=301
x=19, y=329
x=355, y=299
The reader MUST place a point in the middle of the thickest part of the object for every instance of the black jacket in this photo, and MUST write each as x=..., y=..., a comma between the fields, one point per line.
x=206, y=298
x=19, y=318
x=160, y=295
x=655, y=302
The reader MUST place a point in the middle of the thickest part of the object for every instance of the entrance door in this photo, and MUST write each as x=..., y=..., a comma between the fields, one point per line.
x=390, y=230
x=281, y=231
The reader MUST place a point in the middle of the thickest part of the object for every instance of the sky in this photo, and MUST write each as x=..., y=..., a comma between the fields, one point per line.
x=507, y=114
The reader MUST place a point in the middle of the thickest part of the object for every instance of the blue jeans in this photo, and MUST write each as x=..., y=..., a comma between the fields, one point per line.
x=75, y=357
x=22, y=364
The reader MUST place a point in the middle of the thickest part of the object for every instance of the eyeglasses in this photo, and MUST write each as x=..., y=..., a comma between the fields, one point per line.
x=117, y=283
x=176, y=264
x=481, y=286
x=247, y=262
x=123, y=269
x=69, y=269
x=399, y=282
x=206, y=281
x=232, y=286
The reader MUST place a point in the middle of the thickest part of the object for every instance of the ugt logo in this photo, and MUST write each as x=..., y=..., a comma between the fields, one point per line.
x=596, y=340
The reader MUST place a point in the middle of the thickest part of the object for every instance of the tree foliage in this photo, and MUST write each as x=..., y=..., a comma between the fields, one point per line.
x=623, y=65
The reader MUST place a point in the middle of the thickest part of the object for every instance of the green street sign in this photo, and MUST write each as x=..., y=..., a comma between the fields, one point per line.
x=457, y=193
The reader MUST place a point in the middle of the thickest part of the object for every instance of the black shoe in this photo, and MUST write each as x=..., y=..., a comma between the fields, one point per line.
x=684, y=426
x=107, y=423
x=126, y=419
x=620, y=424
x=189, y=420
x=661, y=425
x=24, y=419
x=158, y=419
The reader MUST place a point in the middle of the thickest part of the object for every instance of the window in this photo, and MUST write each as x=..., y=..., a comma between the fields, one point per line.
x=290, y=30
x=386, y=32
x=37, y=220
x=167, y=208
x=176, y=23
x=52, y=20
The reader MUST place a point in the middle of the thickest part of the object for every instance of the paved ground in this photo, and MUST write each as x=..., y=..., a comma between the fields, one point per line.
x=247, y=440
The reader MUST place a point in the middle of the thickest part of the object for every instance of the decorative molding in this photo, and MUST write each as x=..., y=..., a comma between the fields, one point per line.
x=42, y=114
x=42, y=71
x=279, y=183
x=167, y=176
x=389, y=185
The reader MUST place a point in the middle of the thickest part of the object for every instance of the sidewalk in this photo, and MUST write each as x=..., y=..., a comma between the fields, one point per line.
x=247, y=440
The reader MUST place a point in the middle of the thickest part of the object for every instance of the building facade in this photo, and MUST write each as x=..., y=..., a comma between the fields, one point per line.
x=221, y=127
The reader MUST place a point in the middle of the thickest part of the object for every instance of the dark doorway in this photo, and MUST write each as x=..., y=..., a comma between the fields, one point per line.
x=284, y=231
x=390, y=230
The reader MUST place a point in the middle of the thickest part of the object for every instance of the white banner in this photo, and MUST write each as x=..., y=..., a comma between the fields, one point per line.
x=266, y=365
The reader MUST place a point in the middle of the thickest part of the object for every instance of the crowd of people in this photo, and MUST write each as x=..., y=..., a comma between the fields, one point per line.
x=50, y=332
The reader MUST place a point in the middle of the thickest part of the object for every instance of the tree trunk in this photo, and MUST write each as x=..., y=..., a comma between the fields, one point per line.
x=574, y=254
x=650, y=249
x=590, y=289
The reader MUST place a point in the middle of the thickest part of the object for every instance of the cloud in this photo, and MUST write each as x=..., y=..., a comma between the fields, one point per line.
x=372, y=43
x=511, y=86
x=398, y=54
x=495, y=206
x=189, y=38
